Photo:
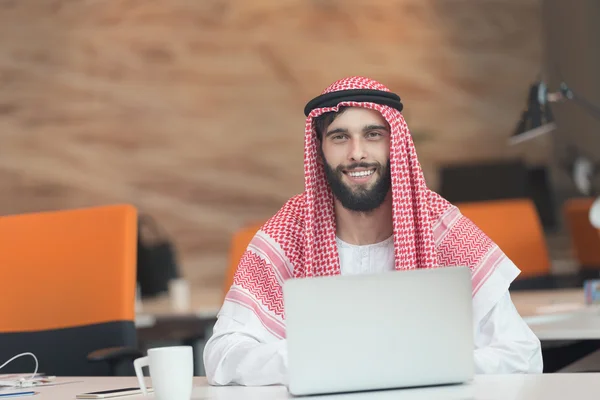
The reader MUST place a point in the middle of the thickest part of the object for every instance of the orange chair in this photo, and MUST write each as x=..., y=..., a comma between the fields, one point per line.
x=68, y=290
x=515, y=227
x=585, y=240
x=239, y=244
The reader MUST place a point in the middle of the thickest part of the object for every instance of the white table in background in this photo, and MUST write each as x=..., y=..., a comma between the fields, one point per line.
x=558, y=314
x=484, y=387
x=531, y=303
x=576, y=325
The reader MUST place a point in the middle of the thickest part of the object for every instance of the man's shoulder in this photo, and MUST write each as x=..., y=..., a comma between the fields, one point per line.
x=286, y=228
x=293, y=208
x=289, y=216
x=295, y=203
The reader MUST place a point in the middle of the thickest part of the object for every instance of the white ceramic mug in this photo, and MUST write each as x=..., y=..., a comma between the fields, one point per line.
x=171, y=372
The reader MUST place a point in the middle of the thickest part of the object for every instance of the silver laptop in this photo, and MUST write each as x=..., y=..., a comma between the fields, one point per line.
x=382, y=331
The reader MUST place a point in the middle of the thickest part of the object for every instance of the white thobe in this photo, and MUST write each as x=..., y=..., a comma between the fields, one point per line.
x=242, y=351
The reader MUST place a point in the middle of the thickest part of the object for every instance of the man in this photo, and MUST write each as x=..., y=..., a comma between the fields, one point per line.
x=365, y=209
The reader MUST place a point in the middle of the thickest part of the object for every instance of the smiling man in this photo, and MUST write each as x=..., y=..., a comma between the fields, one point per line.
x=365, y=209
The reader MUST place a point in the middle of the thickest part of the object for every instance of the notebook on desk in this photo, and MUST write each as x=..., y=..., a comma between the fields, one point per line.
x=384, y=331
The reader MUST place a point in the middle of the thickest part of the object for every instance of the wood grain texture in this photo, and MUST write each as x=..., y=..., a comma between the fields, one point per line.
x=192, y=110
x=571, y=43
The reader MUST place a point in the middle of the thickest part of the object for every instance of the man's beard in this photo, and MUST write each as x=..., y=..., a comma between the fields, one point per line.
x=361, y=199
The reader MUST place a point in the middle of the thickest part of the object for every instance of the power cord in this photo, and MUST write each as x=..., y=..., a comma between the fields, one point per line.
x=22, y=382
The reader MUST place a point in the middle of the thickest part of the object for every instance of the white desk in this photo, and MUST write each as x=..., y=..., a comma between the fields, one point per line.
x=488, y=387
x=577, y=325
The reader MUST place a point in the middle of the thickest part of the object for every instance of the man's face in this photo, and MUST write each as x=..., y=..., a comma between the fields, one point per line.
x=356, y=157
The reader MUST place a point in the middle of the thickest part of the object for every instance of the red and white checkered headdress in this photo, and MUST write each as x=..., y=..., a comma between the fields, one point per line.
x=300, y=239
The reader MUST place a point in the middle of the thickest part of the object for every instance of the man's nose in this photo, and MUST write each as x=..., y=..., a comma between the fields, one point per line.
x=357, y=150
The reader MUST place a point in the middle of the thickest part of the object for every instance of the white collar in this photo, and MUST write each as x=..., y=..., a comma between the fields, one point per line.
x=384, y=243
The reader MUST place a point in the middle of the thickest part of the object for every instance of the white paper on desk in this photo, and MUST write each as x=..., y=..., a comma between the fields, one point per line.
x=56, y=383
x=12, y=382
x=17, y=380
x=5, y=377
x=37, y=385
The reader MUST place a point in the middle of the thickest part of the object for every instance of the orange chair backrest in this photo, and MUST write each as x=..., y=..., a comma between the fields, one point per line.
x=585, y=239
x=67, y=268
x=515, y=227
x=239, y=243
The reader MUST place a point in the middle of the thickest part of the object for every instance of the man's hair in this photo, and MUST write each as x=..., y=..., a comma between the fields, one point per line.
x=324, y=120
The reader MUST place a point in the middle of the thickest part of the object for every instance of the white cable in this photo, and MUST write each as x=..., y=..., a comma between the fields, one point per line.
x=21, y=355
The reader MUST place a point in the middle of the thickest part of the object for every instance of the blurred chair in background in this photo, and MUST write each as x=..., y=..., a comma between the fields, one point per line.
x=68, y=291
x=514, y=225
x=157, y=261
x=239, y=243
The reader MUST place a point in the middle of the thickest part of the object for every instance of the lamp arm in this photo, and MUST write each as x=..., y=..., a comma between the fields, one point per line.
x=566, y=93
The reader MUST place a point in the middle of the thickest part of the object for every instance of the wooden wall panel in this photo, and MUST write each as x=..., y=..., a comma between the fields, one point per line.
x=192, y=110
